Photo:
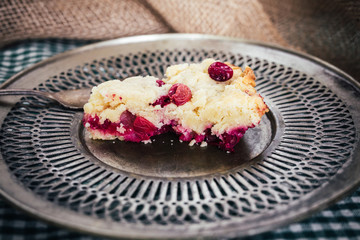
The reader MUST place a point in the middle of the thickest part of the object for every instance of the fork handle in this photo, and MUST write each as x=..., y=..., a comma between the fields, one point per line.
x=19, y=91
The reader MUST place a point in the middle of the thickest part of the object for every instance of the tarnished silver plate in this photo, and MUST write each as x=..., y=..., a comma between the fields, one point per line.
x=301, y=158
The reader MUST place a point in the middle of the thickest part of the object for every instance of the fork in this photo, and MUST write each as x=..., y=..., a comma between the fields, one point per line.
x=72, y=99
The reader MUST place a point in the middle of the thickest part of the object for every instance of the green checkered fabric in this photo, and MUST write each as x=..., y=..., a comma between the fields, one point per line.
x=341, y=221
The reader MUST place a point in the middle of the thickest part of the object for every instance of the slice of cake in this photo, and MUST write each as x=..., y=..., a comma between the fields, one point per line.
x=206, y=103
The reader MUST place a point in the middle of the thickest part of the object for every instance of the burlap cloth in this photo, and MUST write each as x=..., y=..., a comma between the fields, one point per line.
x=326, y=29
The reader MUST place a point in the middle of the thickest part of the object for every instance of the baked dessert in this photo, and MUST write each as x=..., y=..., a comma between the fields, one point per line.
x=206, y=103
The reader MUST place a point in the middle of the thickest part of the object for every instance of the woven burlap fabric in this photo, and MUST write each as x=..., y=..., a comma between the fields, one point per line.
x=326, y=29
x=329, y=30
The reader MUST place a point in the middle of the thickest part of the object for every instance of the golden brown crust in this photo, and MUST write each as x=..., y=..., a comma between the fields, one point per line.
x=233, y=66
x=262, y=107
x=249, y=77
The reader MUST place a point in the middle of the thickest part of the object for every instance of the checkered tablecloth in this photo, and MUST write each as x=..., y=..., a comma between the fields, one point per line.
x=341, y=221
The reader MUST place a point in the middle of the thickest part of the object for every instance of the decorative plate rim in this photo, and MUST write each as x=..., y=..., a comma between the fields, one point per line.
x=301, y=213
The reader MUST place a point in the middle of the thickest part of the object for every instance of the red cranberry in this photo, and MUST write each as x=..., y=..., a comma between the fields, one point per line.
x=160, y=82
x=229, y=141
x=220, y=71
x=210, y=138
x=180, y=94
x=144, y=126
x=127, y=118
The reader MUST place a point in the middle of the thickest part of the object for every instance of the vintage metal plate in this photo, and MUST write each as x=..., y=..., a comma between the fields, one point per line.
x=302, y=157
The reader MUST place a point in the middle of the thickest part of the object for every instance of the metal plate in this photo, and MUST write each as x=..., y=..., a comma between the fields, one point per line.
x=302, y=157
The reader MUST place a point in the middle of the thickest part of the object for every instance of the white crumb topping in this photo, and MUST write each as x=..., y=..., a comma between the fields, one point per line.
x=121, y=128
x=192, y=142
x=147, y=141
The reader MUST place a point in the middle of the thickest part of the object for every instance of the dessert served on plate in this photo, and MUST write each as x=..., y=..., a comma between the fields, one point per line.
x=206, y=103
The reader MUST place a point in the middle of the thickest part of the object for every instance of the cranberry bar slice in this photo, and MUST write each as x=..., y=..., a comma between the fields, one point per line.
x=206, y=103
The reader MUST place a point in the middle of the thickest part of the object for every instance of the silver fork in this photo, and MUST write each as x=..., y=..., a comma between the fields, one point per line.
x=73, y=99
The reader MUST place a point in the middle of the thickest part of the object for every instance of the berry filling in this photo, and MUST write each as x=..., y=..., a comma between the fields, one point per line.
x=220, y=71
x=227, y=140
x=130, y=127
x=162, y=101
x=136, y=129
x=94, y=124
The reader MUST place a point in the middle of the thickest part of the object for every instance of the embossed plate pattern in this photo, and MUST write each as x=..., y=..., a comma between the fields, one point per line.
x=302, y=157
